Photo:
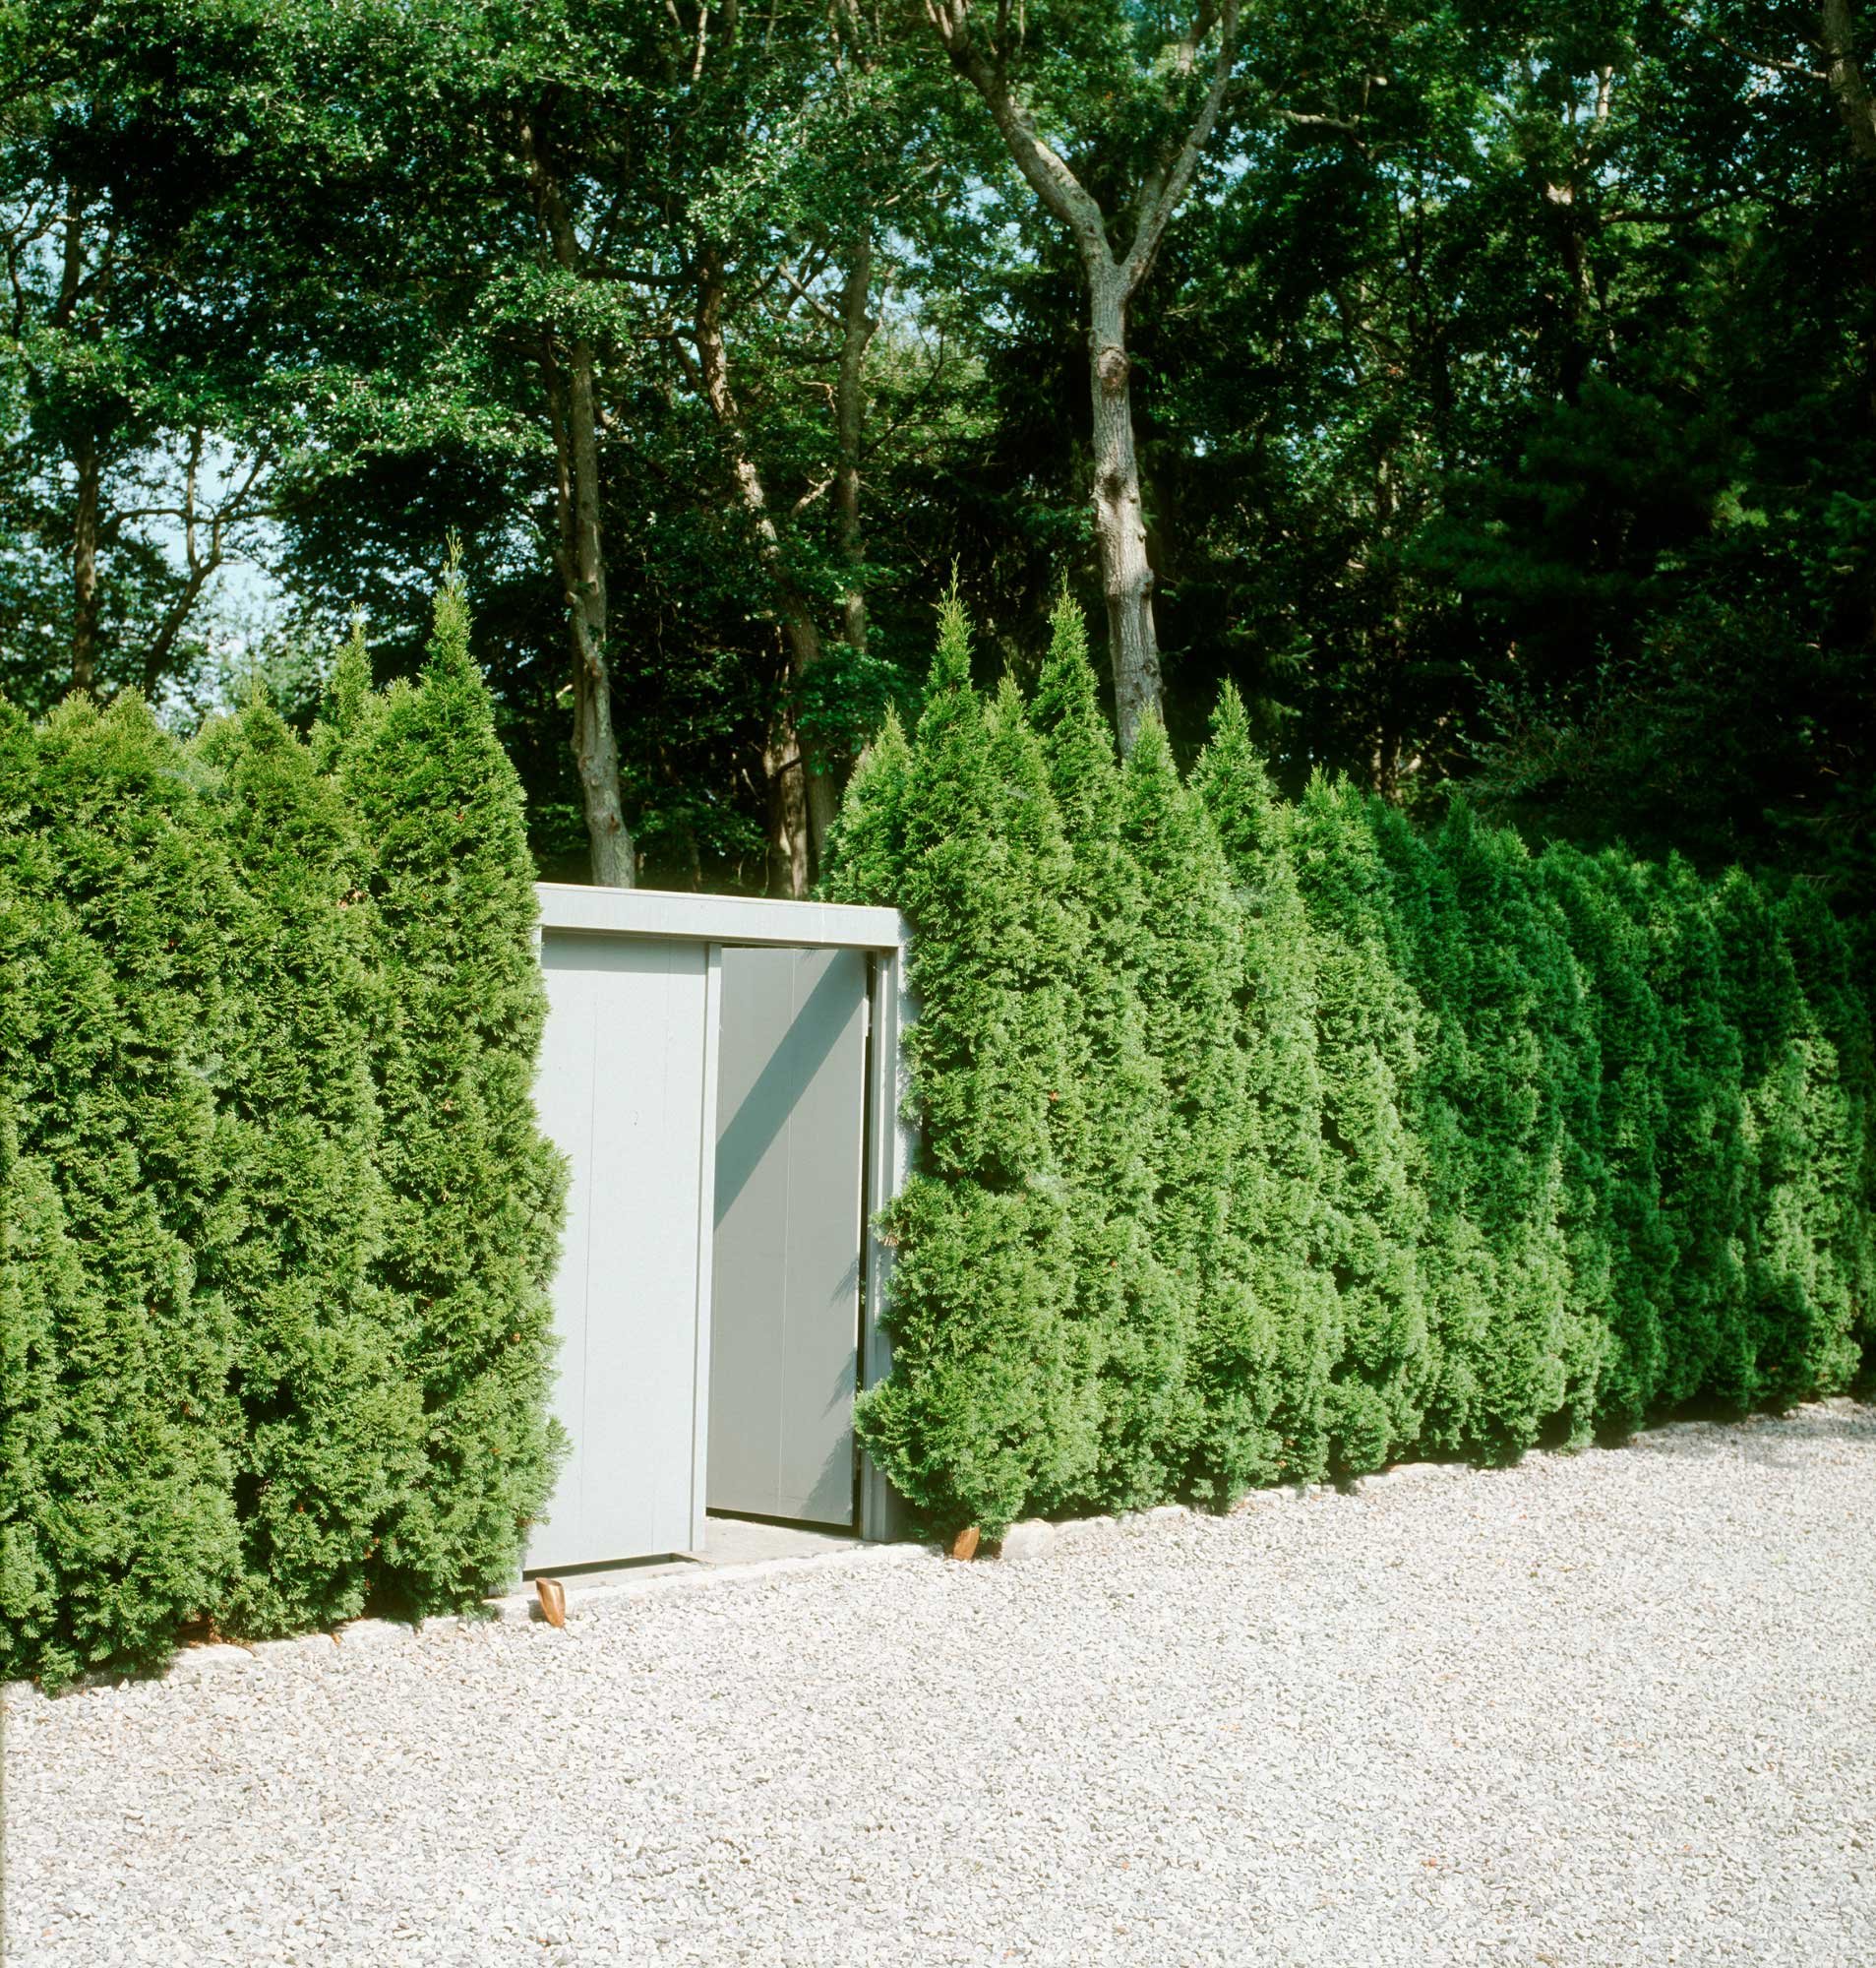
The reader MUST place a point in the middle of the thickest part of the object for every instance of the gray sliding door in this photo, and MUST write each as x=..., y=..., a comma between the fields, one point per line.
x=785, y=1319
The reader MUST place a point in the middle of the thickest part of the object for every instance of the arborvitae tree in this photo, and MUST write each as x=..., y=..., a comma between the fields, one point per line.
x=1124, y=1296
x=332, y=1423
x=1458, y=1270
x=1512, y=984
x=987, y=1408
x=473, y=1191
x=1368, y=1050
x=1710, y=1341
x=41, y=1291
x=1279, y=1204
x=40, y=1279
x=866, y=848
x=1622, y=1248
x=348, y=706
x=1051, y=948
x=1835, y=1038
x=1347, y=1140
x=1191, y=966
x=1797, y=1153
x=119, y=1196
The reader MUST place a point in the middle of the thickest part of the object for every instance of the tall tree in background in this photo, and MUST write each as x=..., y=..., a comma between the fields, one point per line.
x=1160, y=74
x=1498, y=395
x=136, y=366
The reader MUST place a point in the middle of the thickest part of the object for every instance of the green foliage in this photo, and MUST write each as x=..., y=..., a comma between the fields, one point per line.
x=1623, y=1255
x=1834, y=1040
x=1369, y=1032
x=862, y=860
x=121, y=1521
x=274, y=1216
x=1706, y=1320
x=1797, y=1148
x=1281, y=1204
x=1190, y=969
x=331, y=1428
x=1500, y=389
x=473, y=1192
x=1506, y=1048
x=988, y=1406
x=1125, y=1297
x=1264, y=1140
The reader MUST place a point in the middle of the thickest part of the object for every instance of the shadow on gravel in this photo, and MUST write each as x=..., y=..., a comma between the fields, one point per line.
x=1775, y=1440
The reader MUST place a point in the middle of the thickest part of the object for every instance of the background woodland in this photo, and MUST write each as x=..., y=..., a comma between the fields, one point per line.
x=1488, y=393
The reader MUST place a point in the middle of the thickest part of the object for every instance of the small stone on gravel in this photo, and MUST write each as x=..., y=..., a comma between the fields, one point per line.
x=1034, y=1537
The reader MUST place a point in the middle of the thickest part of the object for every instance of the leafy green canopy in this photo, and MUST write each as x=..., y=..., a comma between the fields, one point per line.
x=274, y=1215
x=1263, y=1142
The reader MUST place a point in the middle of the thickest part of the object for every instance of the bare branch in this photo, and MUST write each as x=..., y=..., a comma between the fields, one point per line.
x=808, y=497
x=1774, y=64
x=820, y=306
x=1301, y=119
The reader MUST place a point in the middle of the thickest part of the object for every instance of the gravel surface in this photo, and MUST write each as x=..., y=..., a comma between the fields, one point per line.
x=1618, y=1707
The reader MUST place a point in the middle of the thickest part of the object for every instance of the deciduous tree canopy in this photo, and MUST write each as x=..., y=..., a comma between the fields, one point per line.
x=1488, y=392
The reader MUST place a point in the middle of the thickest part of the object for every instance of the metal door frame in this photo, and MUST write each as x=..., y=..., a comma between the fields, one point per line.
x=887, y=1140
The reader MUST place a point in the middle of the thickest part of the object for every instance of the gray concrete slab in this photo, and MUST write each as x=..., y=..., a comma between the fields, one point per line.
x=727, y=1541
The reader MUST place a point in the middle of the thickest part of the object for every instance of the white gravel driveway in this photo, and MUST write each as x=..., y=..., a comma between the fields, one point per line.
x=1614, y=1708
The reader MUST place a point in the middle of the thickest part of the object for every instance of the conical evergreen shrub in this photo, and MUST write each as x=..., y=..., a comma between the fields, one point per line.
x=1507, y=1052
x=120, y=1212
x=332, y=1421
x=1457, y=1268
x=473, y=1192
x=276, y=1222
x=1368, y=1049
x=866, y=848
x=1708, y=1330
x=1835, y=1038
x=1192, y=966
x=988, y=1409
x=40, y=1279
x=1279, y=1204
x=1798, y=1157
x=1125, y=1297
x=1623, y=1248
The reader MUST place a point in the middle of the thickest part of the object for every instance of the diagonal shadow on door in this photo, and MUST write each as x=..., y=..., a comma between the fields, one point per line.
x=812, y=1035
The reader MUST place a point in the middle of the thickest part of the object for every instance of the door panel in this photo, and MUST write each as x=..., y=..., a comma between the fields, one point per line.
x=621, y=1092
x=785, y=1318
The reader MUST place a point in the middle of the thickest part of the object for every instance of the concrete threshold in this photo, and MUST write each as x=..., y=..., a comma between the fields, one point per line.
x=734, y=1548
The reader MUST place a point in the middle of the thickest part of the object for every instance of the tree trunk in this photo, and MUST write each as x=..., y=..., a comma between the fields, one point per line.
x=579, y=554
x=1850, y=92
x=819, y=795
x=1120, y=523
x=850, y=411
x=788, y=810
x=85, y=596
x=1126, y=575
x=581, y=568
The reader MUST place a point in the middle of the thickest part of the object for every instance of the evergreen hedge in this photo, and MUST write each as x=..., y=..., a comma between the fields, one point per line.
x=1266, y=1141
x=275, y=1221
